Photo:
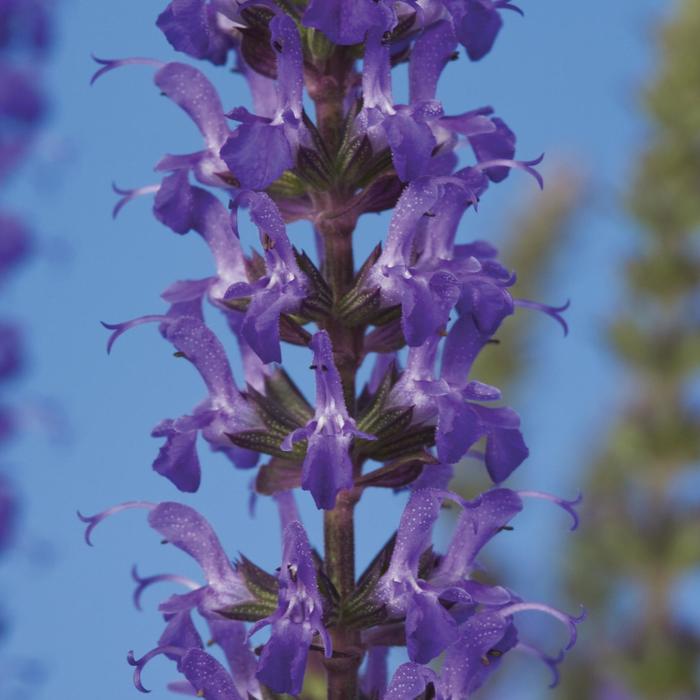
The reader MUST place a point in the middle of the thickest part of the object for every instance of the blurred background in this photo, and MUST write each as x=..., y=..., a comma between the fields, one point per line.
x=611, y=94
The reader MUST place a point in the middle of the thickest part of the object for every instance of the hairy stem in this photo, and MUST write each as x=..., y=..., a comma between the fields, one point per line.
x=339, y=536
x=339, y=529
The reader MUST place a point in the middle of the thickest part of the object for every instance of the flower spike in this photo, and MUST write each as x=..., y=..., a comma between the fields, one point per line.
x=356, y=150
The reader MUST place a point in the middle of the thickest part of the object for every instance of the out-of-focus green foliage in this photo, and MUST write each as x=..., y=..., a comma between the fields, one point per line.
x=638, y=537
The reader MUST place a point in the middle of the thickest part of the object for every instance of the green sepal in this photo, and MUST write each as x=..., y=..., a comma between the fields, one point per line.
x=389, y=423
x=259, y=582
x=362, y=610
x=320, y=299
x=273, y=414
x=317, y=139
x=280, y=387
x=248, y=612
x=287, y=186
x=312, y=168
x=255, y=266
x=402, y=444
x=388, y=337
x=354, y=158
x=374, y=571
x=293, y=332
x=372, y=406
x=368, y=614
x=398, y=473
x=319, y=47
x=360, y=309
x=267, y=443
x=378, y=165
x=330, y=595
x=239, y=304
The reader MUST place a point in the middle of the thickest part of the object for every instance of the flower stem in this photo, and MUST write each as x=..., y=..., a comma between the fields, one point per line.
x=339, y=526
x=338, y=268
x=339, y=536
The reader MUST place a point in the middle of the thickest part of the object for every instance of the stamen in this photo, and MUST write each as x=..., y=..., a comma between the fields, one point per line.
x=505, y=5
x=568, y=506
x=552, y=311
x=94, y=520
x=565, y=619
x=141, y=663
x=526, y=165
x=552, y=662
x=120, y=328
x=109, y=64
x=144, y=583
x=128, y=195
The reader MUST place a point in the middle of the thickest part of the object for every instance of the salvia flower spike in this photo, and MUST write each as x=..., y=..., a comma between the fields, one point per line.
x=425, y=289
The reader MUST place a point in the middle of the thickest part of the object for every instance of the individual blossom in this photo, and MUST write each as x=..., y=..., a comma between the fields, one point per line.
x=299, y=616
x=263, y=147
x=186, y=529
x=477, y=23
x=224, y=411
x=327, y=465
x=445, y=609
x=199, y=29
x=455, y=403
x=419, y=134
x=281, y=290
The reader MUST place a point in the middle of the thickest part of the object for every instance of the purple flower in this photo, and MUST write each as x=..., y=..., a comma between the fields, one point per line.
x=187, y=530
x=422, y=270
x=446, y=609
x=477, y=23
x=281, y=290
x=262, y=148
x=421, y=288
x=298, y=617
x=348, y=22
x=196, y=28
x=224, y=411
x=409, y=681
x=429, y=626
x=190, y=90
x=454, y=402
x=193, y=93
x=327, y=466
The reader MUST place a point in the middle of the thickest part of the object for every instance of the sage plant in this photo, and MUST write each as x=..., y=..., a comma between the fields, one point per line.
x=415, y=315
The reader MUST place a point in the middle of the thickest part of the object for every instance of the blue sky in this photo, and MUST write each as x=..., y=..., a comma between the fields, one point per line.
x=565, y=78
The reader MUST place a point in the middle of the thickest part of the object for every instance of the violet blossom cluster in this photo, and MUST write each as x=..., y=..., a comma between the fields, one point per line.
x=24, y=39
x=416, y=314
